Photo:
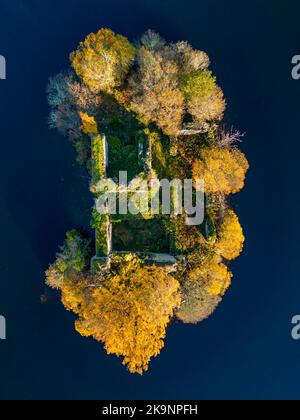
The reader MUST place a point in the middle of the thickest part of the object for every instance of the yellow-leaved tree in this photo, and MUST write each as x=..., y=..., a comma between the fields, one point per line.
x=223, y=170
x=89, y=125
x=230, y=237
x=129, y=313
x=103, y=60
x=202, y=289
x=128, y=310
x=162, y=101
x=213, y=275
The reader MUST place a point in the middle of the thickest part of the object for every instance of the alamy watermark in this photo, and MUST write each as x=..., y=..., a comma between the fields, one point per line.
x=2, y=328
x=296, y=329
x=152, y=197
x=2, y=68
x=296, y=68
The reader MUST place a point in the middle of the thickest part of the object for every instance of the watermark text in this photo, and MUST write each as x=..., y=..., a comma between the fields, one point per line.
x=2, y=68
x=154, y=197
x=296, y=68
x=2, y=328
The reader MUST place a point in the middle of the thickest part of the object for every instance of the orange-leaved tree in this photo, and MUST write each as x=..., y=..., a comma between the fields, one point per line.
x=128, y=309
x=129, y=313
x=222, y=170
x=230, y=237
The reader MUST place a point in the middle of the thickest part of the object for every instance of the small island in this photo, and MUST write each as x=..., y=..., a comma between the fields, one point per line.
x=154, y=111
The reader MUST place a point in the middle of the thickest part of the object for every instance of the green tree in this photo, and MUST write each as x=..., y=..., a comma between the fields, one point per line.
x=75, y=252
x=205, y=100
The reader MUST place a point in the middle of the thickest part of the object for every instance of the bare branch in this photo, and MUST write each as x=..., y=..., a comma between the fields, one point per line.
x=229, y=138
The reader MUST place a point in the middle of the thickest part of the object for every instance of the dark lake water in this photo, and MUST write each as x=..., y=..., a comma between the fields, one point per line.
x=245, y=349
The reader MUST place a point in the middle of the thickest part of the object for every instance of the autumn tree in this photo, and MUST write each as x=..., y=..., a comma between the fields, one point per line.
x=84, y=99
x=162, y=97
x=172, y=79
x=223, y=170
x=54, y=277
x=68, y=99
x=89, y=125
x=202, y=289
x=129, y=313
x=205, y=100
x=76, y=290
x=213, y=275
x=128, y=309
x=58, y=88
x=74, y=286
x=103, y=60
x=190, y=59
x=153, y=41
x=66, y=120
x=230, y=237
x=69, y=272
x=229, y=139
x=187, y=58
x=154, y=91
x=197, y=304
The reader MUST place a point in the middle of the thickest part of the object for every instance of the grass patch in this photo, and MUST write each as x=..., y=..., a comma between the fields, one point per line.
x=141, y=236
